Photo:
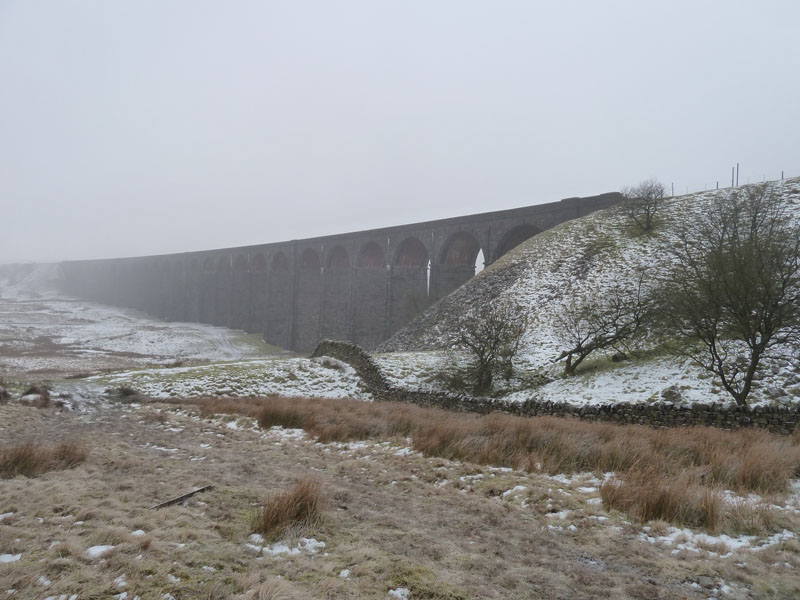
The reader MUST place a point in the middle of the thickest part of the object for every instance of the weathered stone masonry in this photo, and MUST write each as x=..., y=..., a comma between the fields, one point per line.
x=778, y=419
x=360, y=286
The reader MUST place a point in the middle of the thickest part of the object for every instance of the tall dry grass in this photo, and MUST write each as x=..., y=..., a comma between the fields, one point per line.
x=670, y=474
x=297, y=508
x=29, y=459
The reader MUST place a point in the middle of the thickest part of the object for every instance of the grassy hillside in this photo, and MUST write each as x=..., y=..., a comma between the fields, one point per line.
x=573, y=262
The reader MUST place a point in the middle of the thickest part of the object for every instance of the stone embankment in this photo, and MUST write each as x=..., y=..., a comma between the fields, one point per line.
x=778, y=419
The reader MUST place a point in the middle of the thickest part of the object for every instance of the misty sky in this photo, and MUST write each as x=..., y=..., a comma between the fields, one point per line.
x=144, y=127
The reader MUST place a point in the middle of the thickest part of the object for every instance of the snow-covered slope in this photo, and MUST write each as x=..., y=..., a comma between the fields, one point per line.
x=569, y=263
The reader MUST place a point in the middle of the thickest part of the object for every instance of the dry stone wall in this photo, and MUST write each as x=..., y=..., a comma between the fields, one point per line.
x=778, y=419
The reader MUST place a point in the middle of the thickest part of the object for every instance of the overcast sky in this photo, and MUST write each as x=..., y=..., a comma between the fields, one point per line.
x=145, y=127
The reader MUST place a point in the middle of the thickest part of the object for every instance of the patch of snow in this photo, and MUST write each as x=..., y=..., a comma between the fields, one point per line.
x=686, y=539
x=98, y=551
x=400, y=593
x=309, y=545
x=344, y=573
x=138, y=533
x=516, y=488
x=9, y=558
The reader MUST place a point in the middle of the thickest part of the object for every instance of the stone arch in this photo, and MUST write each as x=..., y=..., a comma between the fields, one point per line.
x=370, y=296
x=279, y=301
x=173, y=289
x=207, y=290
x=460, y=249
x=240, y=292
x=240, y=263
x=338, y=259
x=371, y=256
x=409, y=283
x=280, y=262
x=456, y=264
x=309, y=260
x=194, y=290
x=259, y=263
x=258, y=293
x=411, y=253
x=513, y=238
x=336, y=302
x=223, y=285
x=308, y=300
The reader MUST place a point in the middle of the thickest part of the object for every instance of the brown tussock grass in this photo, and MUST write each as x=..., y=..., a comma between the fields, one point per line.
x=29, y=459
x=297, y=508
x=671, y=474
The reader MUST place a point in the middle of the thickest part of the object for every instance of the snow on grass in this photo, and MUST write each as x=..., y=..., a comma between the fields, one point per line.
x=98, y=551
x=574, y=262
x=416, y=370
x=264, y=377
x=715, y=545
x=9, y=558
x=257, y=545
x=42, y=328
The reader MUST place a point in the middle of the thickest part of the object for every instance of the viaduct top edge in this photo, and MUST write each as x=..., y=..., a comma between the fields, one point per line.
x=581, y=204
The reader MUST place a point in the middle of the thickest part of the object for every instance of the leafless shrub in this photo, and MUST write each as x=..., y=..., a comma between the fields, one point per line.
x=613, y=320
x=125, y=393
x=643, y=202
x=301, y=506
x=732, y=297
x=491, y=335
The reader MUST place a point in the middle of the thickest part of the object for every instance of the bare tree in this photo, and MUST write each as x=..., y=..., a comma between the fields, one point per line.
x=612, y=320
x=492, y=335
x=731, y=297
x=643, y=202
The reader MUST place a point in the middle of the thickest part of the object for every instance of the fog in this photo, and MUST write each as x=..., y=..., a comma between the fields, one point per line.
x=131, y=128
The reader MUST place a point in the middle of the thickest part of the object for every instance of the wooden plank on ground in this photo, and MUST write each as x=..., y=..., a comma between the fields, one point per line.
x=176, y=500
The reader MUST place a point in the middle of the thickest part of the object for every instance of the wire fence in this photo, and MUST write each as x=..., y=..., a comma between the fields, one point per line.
x=737, y=178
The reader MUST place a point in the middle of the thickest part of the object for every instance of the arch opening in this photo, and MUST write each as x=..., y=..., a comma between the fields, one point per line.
x=223, y=263
x=480, y=262
x=280, y=262
x=412, y=253
x=461, y=249
x=259, y=263
x=240, y=263
x=338, y=259
x=309, y=260
x=514, y=237
x=371, y=257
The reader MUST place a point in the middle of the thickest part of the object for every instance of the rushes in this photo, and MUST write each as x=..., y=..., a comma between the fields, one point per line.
x=299, y=507
x=676, y=475
x=29, y=459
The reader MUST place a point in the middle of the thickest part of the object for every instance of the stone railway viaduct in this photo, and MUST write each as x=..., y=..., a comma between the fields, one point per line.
x=360, y=287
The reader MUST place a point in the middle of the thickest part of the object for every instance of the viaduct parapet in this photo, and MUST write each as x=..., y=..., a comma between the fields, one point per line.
x=359, y=287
